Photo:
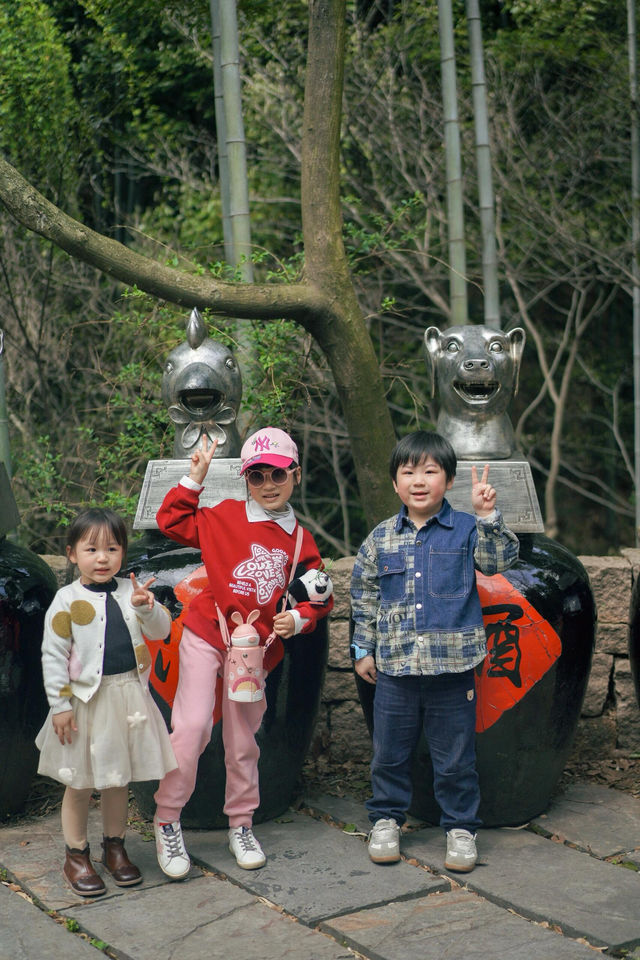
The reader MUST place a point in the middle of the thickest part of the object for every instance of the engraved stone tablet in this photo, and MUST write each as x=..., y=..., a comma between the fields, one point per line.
x=513, y=482
x=9, y=516
x=223, y=482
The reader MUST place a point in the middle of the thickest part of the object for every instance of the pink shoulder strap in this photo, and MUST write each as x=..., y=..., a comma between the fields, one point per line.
x=296, y=552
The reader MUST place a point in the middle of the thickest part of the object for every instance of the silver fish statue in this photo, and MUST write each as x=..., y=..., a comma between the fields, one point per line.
x=202, y=388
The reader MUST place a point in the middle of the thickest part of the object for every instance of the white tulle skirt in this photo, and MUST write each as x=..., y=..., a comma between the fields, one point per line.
x=121, y=738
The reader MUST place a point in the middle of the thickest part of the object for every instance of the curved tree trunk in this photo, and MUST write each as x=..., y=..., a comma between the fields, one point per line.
x=340, y=329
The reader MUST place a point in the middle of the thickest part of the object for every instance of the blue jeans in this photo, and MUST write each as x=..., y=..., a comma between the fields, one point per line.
x=444, y=708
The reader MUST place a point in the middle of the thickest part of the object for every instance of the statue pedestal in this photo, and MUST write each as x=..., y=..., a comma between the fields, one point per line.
x=222, y=482
x=517, y=498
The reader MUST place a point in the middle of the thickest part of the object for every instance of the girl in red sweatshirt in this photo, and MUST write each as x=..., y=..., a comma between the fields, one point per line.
x=250, y=550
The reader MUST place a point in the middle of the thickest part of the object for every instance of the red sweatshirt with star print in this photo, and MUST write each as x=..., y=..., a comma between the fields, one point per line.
x=248, y=565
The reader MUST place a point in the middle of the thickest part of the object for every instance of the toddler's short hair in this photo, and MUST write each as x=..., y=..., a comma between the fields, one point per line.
x=419, y=445
x=94, y=520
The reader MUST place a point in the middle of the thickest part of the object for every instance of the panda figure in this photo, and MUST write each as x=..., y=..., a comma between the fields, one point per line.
x=314, y=586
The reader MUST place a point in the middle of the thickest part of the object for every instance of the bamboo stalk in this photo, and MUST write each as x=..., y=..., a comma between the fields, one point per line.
x=635, y=238
x=455, y=215
x=483, y=162
x=221, y=133
x=5, y=446
x=235, y=140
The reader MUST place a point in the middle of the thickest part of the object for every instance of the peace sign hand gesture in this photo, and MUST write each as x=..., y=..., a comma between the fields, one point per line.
x=141, y=593
x=201, y=458
x=483, y=496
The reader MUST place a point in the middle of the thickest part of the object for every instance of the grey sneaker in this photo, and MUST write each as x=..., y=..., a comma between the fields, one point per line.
x=245, y=848
x=172, y=856
x=461, y=851
x=384, y=841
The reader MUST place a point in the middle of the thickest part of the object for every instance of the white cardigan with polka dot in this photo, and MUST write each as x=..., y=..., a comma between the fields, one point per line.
x=74, y=637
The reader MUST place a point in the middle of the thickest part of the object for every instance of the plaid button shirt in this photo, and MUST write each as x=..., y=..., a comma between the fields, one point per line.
x=413, y=591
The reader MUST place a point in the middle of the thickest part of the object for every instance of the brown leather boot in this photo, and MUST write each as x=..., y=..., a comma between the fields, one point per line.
x=79, y=873
x=115, y=859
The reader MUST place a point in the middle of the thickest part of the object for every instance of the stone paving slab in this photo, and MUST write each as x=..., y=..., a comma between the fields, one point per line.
x=33, y=853
x=318, y=873
x=453, y=924
x=26, y=933
x=207, y=917
x=546, y=881
x=313, y=870
x=597, y=819
x=341, y=809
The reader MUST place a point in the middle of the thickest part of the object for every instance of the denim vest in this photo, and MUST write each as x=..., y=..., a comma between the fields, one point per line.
x=428, y=577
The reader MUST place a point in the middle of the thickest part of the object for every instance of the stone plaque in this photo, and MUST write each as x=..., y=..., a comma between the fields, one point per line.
x=517, y=498
x=223, y=482
x=9, y=516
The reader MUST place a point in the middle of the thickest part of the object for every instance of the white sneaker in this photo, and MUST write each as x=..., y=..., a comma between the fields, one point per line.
x=245, y=848
x=384, y=841
x=461, y=851
x=172, y=855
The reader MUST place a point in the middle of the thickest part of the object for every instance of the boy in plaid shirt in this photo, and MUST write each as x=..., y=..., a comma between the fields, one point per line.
x=418, y=635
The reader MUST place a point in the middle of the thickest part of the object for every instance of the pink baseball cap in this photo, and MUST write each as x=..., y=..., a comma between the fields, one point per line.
x=269, y=445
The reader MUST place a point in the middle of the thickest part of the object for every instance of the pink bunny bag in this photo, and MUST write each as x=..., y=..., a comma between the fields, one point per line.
x=245, y=671
x=246, y=674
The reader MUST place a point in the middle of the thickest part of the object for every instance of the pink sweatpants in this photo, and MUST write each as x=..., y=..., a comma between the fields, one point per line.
x=192, y=723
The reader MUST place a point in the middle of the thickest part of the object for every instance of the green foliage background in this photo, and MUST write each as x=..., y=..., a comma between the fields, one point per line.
x=108, y=108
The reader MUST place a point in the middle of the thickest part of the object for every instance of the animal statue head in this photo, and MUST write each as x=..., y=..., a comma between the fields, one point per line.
x=202, y=388
x=314, y=586
x=476, y=372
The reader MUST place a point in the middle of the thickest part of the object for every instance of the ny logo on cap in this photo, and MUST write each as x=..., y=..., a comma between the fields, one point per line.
x=263, y=444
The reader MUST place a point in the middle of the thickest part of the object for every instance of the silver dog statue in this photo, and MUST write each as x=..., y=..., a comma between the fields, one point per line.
x=202, y=388
x=476, y=370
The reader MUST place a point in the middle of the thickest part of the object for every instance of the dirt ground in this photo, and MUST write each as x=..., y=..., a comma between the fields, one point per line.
x=620, y=771
x=593, y=759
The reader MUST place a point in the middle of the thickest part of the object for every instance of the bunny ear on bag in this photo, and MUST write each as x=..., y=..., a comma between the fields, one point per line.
x=237, y=618
x=253, y=616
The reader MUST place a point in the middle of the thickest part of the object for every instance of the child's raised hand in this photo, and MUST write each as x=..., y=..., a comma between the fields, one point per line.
x=201, y=458
x=64, y=725
x=141, y=593
x=483, y=496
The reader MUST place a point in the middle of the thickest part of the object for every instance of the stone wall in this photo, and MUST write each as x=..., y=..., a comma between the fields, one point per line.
x=610, y=716
x=610, y=708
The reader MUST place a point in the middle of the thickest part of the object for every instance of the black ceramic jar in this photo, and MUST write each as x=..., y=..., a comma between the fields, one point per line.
x=540, y=621
x=27, y=587
x=293, y=691
x=634, y=637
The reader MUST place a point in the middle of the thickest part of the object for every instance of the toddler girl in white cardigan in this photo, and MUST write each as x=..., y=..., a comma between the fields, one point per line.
x=103, y=729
